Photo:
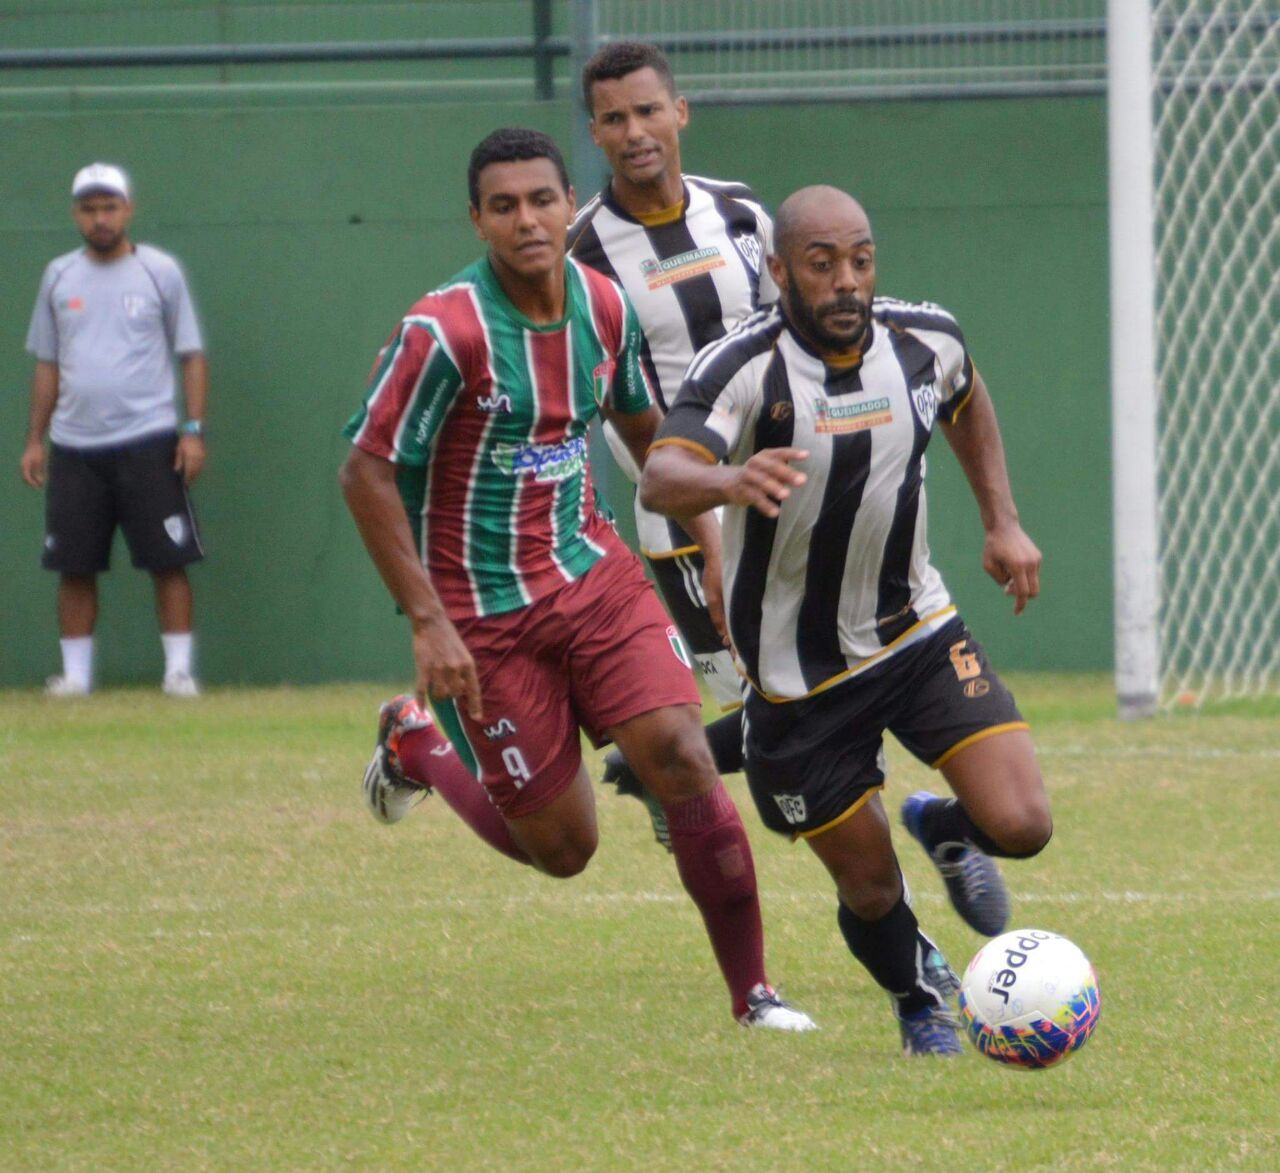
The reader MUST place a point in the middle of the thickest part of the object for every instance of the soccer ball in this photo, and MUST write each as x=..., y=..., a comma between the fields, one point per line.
x=1029, y=998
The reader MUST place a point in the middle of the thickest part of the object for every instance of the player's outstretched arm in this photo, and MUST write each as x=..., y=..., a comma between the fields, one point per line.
x=679, y=482
x=1008, y=554
x=444, y=666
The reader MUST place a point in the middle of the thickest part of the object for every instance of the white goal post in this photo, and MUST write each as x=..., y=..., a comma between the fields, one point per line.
x=1194, y=128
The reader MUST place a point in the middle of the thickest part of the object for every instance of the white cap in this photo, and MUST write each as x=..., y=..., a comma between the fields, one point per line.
x=100, y=177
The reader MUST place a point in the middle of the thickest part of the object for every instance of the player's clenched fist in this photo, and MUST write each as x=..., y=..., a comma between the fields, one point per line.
x=445, y=667
x=766, y=479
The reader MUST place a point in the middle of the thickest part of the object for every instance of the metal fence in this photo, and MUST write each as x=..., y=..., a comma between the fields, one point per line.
x=726, y=51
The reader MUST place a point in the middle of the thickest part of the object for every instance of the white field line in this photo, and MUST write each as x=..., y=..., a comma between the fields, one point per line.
x=1192, y=752
x=566, y=901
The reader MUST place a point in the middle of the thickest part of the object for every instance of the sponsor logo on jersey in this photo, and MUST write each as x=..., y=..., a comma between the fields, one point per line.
x=793, y=807
x=71, y=303
x=494, y=403
x=504, y=727
x=429, y=417
x=673, y=270
x=852, y=417
x=925, y=401
x=544, y=462
x=977, y=688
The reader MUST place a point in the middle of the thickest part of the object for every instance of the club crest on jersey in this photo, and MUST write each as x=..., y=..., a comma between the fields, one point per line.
x=494, y=403
x=134, y=304
x=925, y=401
x=602, y=379
x=543, y=462
x=673, y=270
x=749, y=246
x=852, y=417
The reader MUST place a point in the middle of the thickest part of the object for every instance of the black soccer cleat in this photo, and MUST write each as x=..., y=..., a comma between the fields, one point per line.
x=618, y=773
x=973, y=880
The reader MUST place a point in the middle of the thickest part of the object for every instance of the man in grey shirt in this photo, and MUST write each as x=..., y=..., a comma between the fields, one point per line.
x=107, y=322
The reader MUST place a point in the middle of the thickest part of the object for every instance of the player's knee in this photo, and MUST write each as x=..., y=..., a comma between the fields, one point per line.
x=567, y=856
x=1026, y=832
x=681, y=766
x=871, y=900
x=869, y=889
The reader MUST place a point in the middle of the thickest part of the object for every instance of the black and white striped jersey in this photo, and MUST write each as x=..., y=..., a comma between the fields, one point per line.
x=841, y=579
x=692, y=279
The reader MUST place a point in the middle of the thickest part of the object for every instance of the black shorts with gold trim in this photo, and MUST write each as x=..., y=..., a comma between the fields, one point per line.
x=812, y=762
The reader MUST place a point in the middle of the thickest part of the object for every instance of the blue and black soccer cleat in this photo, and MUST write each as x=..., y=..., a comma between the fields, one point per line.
x=932, y=1031
x=973, y=881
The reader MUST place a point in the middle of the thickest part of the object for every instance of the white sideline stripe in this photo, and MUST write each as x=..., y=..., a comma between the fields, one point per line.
x=1152, y=751
x=566, y=902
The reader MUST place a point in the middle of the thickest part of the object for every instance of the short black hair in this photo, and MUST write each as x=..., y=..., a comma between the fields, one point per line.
x=621, y=58
x=512, y=144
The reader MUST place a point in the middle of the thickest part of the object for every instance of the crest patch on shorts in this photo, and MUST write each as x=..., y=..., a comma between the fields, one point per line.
x=677, y=646
x=176, y=527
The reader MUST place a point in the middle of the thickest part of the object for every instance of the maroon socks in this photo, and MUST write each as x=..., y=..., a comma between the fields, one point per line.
x=715, y=864
x=427, y=757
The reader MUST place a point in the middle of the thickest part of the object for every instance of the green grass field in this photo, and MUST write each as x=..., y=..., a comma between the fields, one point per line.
x=213, y=958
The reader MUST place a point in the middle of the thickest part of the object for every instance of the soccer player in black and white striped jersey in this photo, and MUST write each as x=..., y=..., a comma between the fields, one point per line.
x=689, y=252
x=809, y=425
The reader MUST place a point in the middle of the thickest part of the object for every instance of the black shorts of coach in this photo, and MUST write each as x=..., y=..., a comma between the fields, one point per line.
x=812, y=763
x=91, y=491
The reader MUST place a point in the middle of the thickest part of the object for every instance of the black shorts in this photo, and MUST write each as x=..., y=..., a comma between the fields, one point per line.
x=92, y=490
x=679, y=580
x=812, y=762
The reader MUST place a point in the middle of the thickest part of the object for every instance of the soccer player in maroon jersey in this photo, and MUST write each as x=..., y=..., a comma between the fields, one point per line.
x=469, y=482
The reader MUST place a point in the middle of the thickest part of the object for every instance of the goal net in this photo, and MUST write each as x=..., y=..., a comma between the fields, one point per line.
x=1216, y=108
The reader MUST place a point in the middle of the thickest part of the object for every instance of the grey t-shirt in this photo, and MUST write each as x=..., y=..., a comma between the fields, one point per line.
x=113, y=330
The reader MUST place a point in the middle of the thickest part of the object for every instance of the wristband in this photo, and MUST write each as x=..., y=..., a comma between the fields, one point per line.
x=192, y=428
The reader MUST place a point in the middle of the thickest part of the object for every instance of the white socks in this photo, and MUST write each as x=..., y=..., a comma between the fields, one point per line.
x=77, y=660
x=177, y=651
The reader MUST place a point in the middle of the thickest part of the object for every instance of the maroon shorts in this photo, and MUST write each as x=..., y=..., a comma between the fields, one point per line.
x=591, y=655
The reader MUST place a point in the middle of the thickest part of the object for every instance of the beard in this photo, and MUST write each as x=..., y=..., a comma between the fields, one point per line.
x=811, y=320
x=103, y=242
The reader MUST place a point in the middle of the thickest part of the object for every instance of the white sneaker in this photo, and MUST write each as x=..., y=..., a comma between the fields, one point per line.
x=766, y=1009
x=388, y=791
x=65, y=686
x=180, y=684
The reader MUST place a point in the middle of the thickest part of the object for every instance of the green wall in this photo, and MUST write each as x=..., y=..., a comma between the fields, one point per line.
x=308, y=228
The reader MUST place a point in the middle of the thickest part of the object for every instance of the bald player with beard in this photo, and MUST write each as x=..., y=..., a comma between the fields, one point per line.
x=809, y=426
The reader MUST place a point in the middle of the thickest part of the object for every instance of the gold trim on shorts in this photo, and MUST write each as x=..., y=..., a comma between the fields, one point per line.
x=973, y=738
x=659, y=555
x=858, y=804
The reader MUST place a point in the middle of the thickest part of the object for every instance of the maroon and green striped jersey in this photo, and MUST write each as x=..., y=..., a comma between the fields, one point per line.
x=486, y=415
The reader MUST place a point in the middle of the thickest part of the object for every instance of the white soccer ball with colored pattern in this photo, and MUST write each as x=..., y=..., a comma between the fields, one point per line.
x=1029, y=999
